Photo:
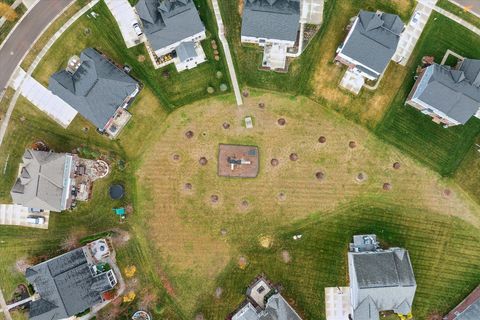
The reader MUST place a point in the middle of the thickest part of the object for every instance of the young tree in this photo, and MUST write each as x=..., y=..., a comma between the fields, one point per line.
x=7, y=12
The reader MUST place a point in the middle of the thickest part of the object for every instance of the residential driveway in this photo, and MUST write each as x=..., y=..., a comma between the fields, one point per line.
x=16, y=215
x=413, y=31
x=44, y=99
x=470, y=5
x=26, y=32
x=125, y=16
x=312, y=11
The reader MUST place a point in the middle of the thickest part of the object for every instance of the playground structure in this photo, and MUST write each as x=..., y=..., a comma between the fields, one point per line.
x=238, y=161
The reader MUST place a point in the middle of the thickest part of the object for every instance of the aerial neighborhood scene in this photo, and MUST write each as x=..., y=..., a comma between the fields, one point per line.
x=240, y=159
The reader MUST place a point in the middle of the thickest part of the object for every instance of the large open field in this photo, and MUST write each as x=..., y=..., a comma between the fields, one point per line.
x=185, y=226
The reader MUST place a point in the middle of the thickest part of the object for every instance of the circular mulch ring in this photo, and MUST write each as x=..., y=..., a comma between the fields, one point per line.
x=322, y=139
x=223, y=232
x=396, y=165
x=176, y=157
x=242, y=262
x=214, y=198
x=281, y=122
x=261, y=105
x=286, y=256
x=387, y=186
x=266, y=242
x=320, y=175
x=203, y=161
x=447, y=192
x=189, y=134
x=293, y=156
x=361, y=176
x=141, y=58
x=282, y=196
x=274, y=162
x=116, y=191
x=218, y=292
x=226, y=125
x=245, y=93
x=188, y=186
x=244, y=204
x=352, y=144
x=199, y=317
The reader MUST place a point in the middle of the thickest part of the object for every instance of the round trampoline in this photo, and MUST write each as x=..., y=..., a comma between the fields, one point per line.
x=116, y=191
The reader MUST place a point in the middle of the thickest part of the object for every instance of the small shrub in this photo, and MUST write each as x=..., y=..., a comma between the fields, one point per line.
x=210, y=90
x=219, y=74
x=223, y=87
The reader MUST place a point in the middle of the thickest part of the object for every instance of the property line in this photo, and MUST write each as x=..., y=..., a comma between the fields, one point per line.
x=226, y=50
x=11, y=106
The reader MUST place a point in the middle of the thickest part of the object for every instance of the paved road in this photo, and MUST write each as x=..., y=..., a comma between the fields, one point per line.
x=470, y=5
x=15, y=48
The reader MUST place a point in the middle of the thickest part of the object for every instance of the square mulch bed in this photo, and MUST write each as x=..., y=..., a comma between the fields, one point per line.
x=244, y=159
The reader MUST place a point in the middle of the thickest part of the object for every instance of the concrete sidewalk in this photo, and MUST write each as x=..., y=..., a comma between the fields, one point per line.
x=455, y=18
x=228, y=55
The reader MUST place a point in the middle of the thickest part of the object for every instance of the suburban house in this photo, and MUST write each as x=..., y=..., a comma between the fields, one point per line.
x=54, y=181
x=371, y=43
x=274, y=25
x=451, y=96
x=98, y=89
x=70, y=284
x=380, y=280
x=468, y=309
x=174, y=31
x=264, y=302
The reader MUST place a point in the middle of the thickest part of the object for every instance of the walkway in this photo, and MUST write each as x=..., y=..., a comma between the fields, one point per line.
x=464, y=23
x=125, y=15
x=228, y=55
x=57, y=109
x=4, y=308
x=11, y=106
x=413, y=31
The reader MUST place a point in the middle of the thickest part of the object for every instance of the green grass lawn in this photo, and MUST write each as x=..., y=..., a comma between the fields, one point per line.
x=442, y=258
x=441, y=149
x=103, y=34
x=460, y=12
x=8, y=25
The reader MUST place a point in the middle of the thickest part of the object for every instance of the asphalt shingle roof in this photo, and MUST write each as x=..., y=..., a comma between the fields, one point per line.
x=66, y=286
x=271, y=19
x=96, y=90
x=166, y=22
x=374, y=39
x=453, y=92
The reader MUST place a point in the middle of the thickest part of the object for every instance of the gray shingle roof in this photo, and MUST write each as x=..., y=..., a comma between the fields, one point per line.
x=66, y=286
x=96, y=90
x=383, y=269
x=186, y=50
x=41, y=183
x=271, y=19
x=454, y=92
x=471, y=313
x=374, y=39
x=169, y=21
x=277, y=308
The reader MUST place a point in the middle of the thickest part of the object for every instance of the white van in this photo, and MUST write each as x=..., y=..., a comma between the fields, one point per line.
x=137, y=28
x=35, y=220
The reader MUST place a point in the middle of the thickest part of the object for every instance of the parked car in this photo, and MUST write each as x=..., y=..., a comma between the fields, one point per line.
x=137, y=29
x=35, y=220
x=415, y=18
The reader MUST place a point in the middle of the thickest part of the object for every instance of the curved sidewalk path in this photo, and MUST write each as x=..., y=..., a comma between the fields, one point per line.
x=226, y=50
x=4, y=124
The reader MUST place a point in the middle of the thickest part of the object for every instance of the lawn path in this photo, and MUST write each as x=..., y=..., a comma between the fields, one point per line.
x=228, y=55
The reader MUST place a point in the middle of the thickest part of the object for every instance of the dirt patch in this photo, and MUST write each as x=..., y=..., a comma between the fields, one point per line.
x=352, y=144
x=203, y=161
x=274, y=162
x=214, y=198
x=266, y=241
x=447, y=193
x=167, y=285
x=320, y=175
x=242, y=262
x=322, y=139
x=293, y=157
x=361, y=177
x=226, y=125
x=286, y=257
x=200, y=316
x=387, y=186
x=281, y=122
x=189, y=134
x=282, y=196
x=22, y=264
x=245, y=93
x=176, y=157
x=244, y=205
x=396, y=165
x=120, y=237
x=261, y=105
x=187, y=186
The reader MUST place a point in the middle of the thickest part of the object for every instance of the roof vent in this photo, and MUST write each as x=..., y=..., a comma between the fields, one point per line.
x=73, y=64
